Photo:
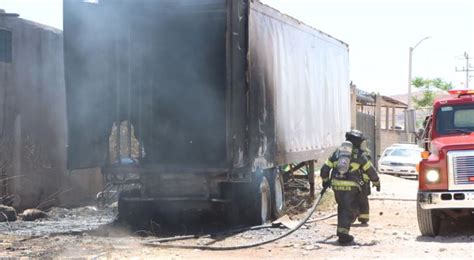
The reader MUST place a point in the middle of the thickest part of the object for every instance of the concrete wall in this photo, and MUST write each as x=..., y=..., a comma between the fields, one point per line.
x=389, y=137
x=81, y=187
x=33, y=119
x=7, y=122
x=34, y=85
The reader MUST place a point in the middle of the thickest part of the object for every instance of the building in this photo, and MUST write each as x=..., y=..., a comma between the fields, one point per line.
x=32, y=114
x=380, y=118
x=32, y=105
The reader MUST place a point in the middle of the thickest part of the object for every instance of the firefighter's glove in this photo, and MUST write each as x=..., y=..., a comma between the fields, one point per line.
x=376, y=184
x=326, y=183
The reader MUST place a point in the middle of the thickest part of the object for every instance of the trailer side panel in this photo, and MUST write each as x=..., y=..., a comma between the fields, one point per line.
x=299, y=80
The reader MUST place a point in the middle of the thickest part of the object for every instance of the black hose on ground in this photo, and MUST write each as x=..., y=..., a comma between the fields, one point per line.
x=177, y=238
x=222, y=248
x=322, y=218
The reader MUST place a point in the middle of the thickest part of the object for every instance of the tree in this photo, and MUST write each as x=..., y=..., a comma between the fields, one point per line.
x=428, y=86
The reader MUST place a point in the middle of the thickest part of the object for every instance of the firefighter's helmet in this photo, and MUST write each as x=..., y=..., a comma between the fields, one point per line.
x=355, y=137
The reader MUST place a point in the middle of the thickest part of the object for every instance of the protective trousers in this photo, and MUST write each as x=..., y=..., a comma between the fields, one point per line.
x=347, y=200
x=363, y=200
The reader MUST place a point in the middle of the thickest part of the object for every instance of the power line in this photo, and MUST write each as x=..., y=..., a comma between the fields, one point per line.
x=466, y=69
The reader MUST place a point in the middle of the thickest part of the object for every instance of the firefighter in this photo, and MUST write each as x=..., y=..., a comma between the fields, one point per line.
x=342, y=172
x=363, y=200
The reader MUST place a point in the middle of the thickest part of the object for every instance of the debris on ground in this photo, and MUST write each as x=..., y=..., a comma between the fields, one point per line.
x=298, y=199
x=60, y=221
x=66, y=234
x=33, y=214
x=297, y=196
x=287, y=222
x=7, y=213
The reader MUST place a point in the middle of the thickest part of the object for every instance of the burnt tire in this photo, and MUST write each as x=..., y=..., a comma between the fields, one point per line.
x=277, y=186
x=429, y=221
x=258, y=200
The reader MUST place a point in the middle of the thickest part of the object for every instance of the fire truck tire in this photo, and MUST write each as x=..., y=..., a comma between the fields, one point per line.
x=428, y=221
x=259, y=201
x=277, y=187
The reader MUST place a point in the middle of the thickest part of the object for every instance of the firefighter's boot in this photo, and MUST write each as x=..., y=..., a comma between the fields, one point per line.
x=345, y=239
x=364, y=222
x=364, y=219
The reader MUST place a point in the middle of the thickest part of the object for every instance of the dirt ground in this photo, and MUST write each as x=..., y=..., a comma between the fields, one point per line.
x=392, y=233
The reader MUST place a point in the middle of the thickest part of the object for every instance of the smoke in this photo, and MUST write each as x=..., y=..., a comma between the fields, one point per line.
x=159, y=64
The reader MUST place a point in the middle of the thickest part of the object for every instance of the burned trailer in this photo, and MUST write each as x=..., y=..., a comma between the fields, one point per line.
x=220, y=95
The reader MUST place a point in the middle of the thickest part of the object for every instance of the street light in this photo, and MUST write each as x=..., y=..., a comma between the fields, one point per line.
x=410, y=52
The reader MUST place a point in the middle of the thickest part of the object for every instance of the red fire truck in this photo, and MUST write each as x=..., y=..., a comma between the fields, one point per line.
x=446, y=180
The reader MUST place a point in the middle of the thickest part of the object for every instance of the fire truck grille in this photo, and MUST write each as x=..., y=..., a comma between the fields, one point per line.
x=463, y=169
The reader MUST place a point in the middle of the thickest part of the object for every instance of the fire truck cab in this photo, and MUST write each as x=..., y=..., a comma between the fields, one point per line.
x=446, y=172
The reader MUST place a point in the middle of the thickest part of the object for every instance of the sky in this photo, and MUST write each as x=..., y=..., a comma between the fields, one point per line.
x=379, y=34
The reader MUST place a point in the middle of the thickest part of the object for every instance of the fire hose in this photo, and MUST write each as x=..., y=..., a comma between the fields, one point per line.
x=222, y=248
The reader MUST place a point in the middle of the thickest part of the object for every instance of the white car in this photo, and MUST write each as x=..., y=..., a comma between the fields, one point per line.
x=400, y=160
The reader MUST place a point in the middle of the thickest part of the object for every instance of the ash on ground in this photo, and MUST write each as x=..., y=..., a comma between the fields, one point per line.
x=62, y=221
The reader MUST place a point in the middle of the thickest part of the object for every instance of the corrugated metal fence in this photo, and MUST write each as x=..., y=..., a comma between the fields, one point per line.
x=366, y=124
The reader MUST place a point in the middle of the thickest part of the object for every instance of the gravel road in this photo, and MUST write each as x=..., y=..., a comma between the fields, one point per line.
x=392, y=233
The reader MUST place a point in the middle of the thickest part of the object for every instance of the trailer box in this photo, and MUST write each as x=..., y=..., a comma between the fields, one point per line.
x=220, y=93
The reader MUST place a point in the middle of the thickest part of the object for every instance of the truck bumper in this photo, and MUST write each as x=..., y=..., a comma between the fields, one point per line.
x=446, y=200
x=399, y=170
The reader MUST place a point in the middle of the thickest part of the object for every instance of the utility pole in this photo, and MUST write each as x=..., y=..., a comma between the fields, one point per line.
x=410, y=56
x=466, y=69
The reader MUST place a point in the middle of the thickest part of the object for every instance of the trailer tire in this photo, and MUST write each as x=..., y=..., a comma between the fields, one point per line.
x=259, y=201
x=277, y=186
x=429, y=221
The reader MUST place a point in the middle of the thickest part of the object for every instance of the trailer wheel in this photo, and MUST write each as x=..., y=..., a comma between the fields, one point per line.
x=428, y=221
x=259, y=201
x=278, y=194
